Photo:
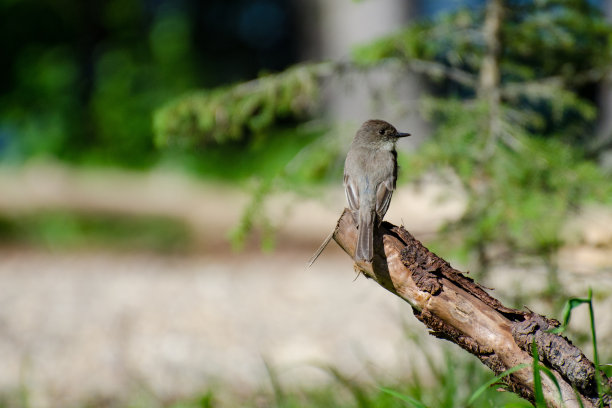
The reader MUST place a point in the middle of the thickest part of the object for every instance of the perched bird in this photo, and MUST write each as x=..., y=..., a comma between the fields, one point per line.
x=370, y=172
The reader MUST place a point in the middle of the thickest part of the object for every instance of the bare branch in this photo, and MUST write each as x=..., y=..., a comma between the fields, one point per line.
x=436, y=70
x=457, y=309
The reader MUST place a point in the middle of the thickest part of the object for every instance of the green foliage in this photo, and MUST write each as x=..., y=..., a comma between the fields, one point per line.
x=566, y=40
x=522, y=162
x=265, y=157
x=444, y=383
x=540, y=402
x=284, y=159
x=412, y=402
x=455, y=380
x=63, y=230
x=517, y=148
x=240, y=125
x=449, y=39
x=567, y=313
x=523, y=192
x=89, y=100
x=493, y=381
x=539, y=369
x=45, y=74
x=204, y=401
x=254, y=214
x=220, y=115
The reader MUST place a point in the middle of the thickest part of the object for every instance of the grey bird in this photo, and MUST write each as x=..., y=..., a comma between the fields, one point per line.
x=370, y=172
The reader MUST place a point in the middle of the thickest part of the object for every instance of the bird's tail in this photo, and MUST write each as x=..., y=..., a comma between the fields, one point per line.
x=365, y=243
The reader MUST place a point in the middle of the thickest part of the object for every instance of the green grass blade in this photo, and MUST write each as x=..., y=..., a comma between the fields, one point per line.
x=578, y=397
x=537, y=380
x=567, y=312
x=552, y=377
x=279, y=394
x=359, y=393
x=406, y=398
x=598, y=378
x=495, y=379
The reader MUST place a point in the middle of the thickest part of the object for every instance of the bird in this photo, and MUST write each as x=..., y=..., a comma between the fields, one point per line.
x=370, y=173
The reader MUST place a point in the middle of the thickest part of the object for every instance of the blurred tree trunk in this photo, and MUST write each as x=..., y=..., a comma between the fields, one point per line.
x=361, y=95
x=489, y=81
x=603, y=140
x=489, y=90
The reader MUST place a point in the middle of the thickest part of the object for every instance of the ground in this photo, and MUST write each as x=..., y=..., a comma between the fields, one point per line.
x=99, y=323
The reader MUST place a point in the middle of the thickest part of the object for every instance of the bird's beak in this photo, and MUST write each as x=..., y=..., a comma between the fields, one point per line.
x=402, y=134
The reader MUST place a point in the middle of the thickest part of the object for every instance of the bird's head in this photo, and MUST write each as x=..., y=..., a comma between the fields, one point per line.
x=378, y=132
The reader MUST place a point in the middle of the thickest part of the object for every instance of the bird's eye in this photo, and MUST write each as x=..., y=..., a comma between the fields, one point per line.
x=381, y=132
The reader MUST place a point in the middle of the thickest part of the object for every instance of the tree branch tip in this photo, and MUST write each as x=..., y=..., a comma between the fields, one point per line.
x=456, y=308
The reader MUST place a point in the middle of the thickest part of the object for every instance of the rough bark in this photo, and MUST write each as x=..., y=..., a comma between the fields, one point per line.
x=456, y=308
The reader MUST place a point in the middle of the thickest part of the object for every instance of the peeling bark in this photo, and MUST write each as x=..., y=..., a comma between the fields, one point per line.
x=456, y=308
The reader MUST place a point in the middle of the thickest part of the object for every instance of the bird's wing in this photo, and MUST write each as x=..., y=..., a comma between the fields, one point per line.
x=384, y=191
x=352, y=193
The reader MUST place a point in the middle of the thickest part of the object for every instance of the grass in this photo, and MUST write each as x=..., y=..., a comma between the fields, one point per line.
x=443, y=376
x=446, y=377
x=448, y=383
x=66, y=230
x=571, y=304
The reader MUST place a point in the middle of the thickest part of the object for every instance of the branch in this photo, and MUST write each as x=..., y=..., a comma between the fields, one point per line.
x=437, y=70
x=457, y=309
x=221, y=114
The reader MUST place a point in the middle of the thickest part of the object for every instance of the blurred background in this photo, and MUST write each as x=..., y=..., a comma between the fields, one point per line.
x=168, y=167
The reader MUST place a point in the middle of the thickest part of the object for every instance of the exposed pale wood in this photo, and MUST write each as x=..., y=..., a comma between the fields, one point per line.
x=456, y=308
